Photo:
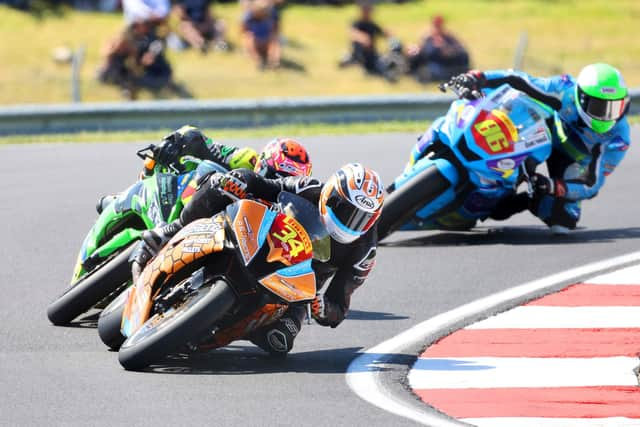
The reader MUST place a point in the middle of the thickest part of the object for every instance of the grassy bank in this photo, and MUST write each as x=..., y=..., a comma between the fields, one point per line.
x=563, y=36
x=222, y=135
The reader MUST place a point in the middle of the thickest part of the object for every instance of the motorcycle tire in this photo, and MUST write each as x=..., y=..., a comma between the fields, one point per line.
x=92, y=288
x=165, y=333
x=402, y=205
x=110, y=321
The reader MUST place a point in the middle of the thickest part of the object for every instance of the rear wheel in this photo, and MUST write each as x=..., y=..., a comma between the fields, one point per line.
x=165, y=332
x=402, y=205
x=110, y=320
x=92, y=288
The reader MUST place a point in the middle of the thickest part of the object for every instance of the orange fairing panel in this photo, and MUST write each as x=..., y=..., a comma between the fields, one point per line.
x=246, y=226
x=292, y=289
x=196, y=240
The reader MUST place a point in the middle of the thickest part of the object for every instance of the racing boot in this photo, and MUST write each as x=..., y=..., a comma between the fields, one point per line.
x=277, y=338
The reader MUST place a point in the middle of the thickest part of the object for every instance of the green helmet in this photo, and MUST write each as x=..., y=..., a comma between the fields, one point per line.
x=601, y=96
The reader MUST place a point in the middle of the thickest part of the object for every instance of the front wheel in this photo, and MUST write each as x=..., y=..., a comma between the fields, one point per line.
x=92, y=288
x=400, y=206
x=165, y=332
x=110, y=320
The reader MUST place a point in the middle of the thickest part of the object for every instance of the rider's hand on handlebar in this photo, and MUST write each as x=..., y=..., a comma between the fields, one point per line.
x=469, y=84
x=234, y=184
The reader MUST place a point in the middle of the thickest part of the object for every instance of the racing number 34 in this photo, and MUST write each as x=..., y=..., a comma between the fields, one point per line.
x=288, y=236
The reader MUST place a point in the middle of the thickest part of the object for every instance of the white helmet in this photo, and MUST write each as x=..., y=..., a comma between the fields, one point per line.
x=351, y=202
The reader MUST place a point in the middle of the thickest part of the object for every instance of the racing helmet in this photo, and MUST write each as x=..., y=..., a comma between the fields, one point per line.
x=283, y=157
x=601, y=96
x=186, y=141
x=351, y=202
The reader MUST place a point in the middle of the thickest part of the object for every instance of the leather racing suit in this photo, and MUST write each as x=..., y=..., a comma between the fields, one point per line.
x=580, y=161
x=347, y=269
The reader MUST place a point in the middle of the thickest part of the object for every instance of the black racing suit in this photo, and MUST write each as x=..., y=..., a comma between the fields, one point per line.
x=349, y=264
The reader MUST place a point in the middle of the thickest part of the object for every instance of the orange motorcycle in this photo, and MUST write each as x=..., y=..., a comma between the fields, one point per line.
x=218, y=280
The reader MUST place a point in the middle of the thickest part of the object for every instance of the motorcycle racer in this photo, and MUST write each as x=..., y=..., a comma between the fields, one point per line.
x=590, y=137
x=349, y=202
x=191, y=141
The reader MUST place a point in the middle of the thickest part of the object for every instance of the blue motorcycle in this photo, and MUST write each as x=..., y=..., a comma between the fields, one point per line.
x=477, y=155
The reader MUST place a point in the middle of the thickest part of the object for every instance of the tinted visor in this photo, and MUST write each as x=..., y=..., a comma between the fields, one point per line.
x=602, y=109
x=350, y=216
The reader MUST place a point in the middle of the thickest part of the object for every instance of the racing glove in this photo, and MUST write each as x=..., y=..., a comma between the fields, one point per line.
x=150, y=244
x=469, y=84
x=234, y=184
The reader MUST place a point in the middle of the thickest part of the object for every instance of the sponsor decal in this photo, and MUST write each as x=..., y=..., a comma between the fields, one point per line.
x=607, y=90
x=507, y=166
x=618, y=144
x=494, y=132
x=235, y=187
x=289, y=242
x=365, y=201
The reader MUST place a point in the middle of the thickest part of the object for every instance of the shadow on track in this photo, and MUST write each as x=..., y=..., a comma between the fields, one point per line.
x=515, y=236
x=373, y=315
x=242, y=360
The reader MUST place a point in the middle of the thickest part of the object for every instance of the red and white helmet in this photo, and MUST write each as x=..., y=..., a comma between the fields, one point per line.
x=351, y=202
x=283, y=157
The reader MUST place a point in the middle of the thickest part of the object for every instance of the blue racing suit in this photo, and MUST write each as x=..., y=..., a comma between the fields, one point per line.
x=581, y=158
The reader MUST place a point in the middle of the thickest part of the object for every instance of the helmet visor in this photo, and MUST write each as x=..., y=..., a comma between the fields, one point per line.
x=602, y=109
x=352, y=217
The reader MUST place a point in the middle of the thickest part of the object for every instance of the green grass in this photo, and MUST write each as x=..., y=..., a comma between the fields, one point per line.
x=267, y=133
x=563, y=36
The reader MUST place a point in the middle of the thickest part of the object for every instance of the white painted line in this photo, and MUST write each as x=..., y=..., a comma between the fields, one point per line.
x=626, y=276
x=500, y=372
x=543, y=317
x=553, y=422
x=363, y=372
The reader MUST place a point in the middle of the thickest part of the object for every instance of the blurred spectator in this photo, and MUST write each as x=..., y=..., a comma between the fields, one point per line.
x=260, y=32
x=198, y=27
x=364, y=33
x=439, y=56
x=135, y=60
x=152, y=11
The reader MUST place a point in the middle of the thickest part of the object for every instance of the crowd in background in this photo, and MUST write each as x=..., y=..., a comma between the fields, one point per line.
x=135, y=58
x=437, y=56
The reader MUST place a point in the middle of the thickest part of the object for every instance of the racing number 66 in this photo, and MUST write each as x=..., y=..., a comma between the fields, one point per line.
x=493, y=135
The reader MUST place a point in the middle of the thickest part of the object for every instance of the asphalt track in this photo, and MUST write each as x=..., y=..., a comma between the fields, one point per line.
x=65, y=376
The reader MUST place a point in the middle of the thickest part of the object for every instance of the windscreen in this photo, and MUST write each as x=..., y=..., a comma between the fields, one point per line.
x=308, y=216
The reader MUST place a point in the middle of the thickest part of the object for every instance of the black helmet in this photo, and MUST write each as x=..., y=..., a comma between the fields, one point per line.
x=186, y=141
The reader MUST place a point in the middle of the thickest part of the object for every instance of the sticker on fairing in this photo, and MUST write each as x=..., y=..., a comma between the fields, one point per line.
x=494, y=132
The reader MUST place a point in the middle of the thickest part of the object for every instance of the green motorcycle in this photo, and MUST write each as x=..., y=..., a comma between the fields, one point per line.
x=102, y=269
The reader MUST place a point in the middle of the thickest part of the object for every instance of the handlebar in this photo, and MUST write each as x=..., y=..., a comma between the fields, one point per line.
x=456, y=89
x=153, y=154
